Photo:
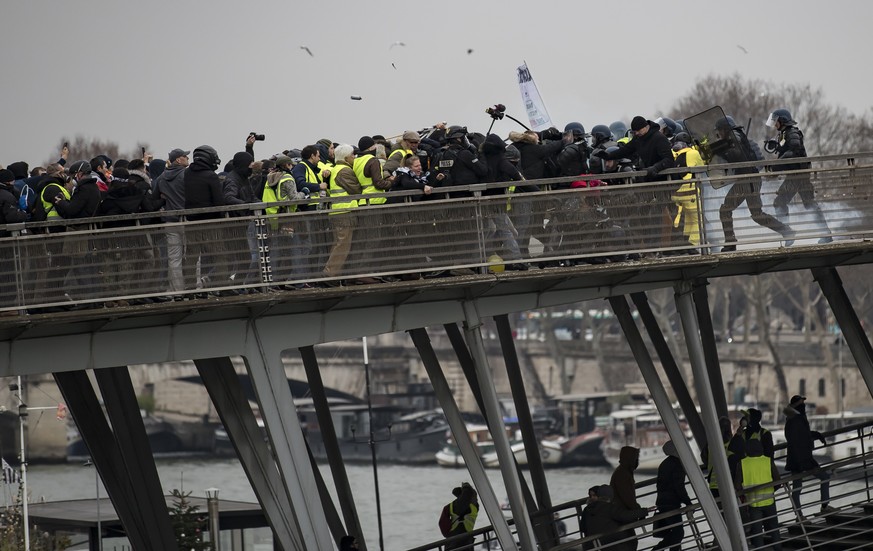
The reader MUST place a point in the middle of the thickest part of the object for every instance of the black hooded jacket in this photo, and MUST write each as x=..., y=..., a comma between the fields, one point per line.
x=202, y=189
x=800, y=441
x=9, y=211
x=499, y=168
x=85, y=199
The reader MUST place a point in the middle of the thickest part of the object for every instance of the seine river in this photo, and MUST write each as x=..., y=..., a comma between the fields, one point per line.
x=411, y=497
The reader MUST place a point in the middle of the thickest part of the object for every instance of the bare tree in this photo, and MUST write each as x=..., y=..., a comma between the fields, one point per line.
x=827, y=128
x=88, y=148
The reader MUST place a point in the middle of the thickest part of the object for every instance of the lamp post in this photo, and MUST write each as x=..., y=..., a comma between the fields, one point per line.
x=90, y=463
x=212, y=511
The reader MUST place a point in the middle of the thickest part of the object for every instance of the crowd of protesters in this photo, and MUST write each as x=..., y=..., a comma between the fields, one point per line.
x=434, y=163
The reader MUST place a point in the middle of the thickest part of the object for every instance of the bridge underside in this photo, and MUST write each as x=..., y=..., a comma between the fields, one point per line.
x=175, y=331
x=260, y=327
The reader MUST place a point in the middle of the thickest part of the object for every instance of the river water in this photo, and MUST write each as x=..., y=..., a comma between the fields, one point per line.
x=411, y=496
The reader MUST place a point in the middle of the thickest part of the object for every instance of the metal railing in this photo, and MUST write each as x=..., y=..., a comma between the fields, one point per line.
x=798, y=529
x=133, y=258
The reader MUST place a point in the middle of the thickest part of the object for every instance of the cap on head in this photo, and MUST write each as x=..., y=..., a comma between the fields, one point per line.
x=638, y=123
x=325, y=142
x=605, y=491
x=176, y=153
x=796, y=400
x=365, y=143
x=282, y=160
x=6, y=176
x=411, y=136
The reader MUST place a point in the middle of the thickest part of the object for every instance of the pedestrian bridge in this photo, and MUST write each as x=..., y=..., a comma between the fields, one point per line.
x=99, y=297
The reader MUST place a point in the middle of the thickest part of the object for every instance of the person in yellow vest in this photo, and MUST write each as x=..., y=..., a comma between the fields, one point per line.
x=733, y=447
x=687, y=196
x=343, y=183
x=408, y=145
x=368, y=169
x=285, y=249
x=462, y=514
x=757, y=470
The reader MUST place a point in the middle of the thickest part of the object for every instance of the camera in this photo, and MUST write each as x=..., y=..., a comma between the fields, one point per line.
x=258, y=137
x=497, y=111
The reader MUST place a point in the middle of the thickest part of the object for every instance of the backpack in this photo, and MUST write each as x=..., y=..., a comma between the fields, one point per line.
x=26, y=199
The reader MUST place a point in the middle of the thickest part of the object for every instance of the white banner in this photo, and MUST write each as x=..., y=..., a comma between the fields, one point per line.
x=533, y=102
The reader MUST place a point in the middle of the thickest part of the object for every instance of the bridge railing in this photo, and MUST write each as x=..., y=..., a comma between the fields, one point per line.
x=807, y=528
x=475, y=228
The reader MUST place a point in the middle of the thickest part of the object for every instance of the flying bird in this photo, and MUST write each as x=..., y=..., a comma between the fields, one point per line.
x=395, y=66
x=469, y=51
x=308, y=51
x=396, y=44
x=745, y=51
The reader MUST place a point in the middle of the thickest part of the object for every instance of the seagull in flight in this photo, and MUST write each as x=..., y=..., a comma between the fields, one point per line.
x=308, y=51
x=745, y=51
x=398, y=43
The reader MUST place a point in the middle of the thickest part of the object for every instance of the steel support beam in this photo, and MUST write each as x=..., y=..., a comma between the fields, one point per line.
x=468, y=366
x=331, y=445
x=263, y=359
x=671, y=421
x=671, y=369
x=462, y=438
x=133, y=442
x=832, y=286
x=333, y=519
x=511, y=478
x=232, y=406
x=545, y=529
x=710, y=349
x=729, y=502
x=81, y=399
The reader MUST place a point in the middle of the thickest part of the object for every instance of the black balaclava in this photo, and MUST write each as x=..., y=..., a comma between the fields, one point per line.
x=241, y=164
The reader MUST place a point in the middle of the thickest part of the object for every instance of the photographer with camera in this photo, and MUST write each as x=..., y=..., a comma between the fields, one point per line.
x=459, y=162
x=250, y=142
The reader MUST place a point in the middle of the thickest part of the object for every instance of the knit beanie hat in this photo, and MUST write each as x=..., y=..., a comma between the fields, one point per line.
x=365, y=143
x=638, y=123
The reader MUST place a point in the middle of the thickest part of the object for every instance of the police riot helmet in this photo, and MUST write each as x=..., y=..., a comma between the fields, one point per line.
x=782, y=116
x=725, y=123
x=512, y=154
x=668, y=125
x=618, y=129
x=683, y=137
x=601, y=133
x=455, y=131
x=576, y=128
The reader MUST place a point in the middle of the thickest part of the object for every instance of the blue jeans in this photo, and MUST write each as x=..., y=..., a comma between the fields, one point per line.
x=763, y=521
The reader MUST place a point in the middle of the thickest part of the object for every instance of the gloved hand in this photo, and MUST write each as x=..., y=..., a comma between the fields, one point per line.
x=600, y=154
x=651, y=171
x=770, y=146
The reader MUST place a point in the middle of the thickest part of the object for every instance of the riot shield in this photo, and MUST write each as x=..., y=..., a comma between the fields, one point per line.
x=713, y=135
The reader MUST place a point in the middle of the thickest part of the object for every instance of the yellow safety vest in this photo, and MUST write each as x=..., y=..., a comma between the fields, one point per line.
x=367, y=182
x=713, y=480
x=687, y=198
x=403, y=152
x=275, y=195
x=469, y=520
x=49, y=208
x=756, y=471
x=312, y=178
x=337, y=191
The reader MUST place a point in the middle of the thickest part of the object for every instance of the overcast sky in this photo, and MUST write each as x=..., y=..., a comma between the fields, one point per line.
x=181, y=73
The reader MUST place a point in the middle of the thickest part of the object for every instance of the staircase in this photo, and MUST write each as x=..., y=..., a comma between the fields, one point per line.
x=850, y=528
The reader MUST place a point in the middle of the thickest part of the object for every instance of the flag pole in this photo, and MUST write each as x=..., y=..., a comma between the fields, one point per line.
x=22, y=415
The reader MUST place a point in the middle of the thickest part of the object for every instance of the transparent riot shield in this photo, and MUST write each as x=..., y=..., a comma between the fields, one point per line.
x=712, y=134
